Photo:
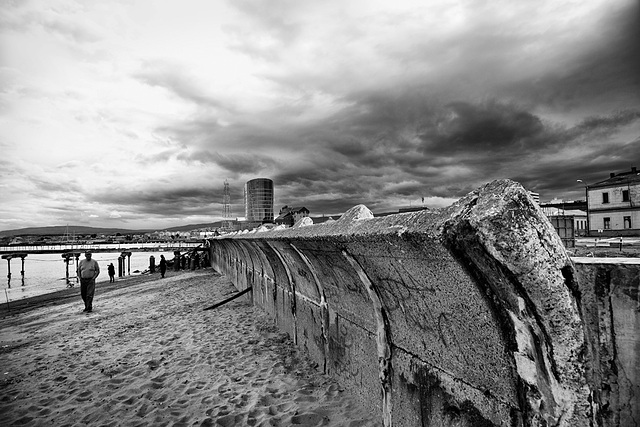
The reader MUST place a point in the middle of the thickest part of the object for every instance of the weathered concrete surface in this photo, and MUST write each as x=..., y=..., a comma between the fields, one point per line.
x=611, y=311
x=467, y=316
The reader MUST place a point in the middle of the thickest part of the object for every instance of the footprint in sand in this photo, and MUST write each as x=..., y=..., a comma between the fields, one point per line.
x=286, y=407
x=24, y=421
x=127, y=400
x=223, y=410
x=305, y=399
x=156, y=385
x=308, y=419
x=44, y=411
x=229, y=420
x=266, y=400
x=84, y=396
x=154, y=364
x=192, y=390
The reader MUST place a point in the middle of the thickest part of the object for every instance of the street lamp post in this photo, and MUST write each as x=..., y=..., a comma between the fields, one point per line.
x=586, y=195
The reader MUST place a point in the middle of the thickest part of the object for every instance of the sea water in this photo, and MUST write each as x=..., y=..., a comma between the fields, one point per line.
x=45, y=273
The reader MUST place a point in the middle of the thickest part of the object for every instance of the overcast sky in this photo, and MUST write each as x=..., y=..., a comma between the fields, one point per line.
x=132, y=113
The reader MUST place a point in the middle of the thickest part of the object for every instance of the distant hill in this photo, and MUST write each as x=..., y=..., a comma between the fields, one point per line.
x=59, y=230
x=193, y=226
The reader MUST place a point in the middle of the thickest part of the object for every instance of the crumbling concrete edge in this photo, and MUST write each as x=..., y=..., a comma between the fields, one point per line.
x=530, y=278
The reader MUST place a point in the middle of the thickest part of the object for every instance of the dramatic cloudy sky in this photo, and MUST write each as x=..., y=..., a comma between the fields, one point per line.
x=132, y=113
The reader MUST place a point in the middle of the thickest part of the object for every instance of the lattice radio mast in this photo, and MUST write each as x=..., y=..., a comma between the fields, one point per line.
x=226, y=207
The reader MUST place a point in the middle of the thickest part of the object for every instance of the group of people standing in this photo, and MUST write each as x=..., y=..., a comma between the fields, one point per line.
x=88, y=271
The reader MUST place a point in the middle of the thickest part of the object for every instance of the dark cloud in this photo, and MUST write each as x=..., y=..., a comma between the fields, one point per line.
x=559, y=176
x=195, y=132
x=468, y=129
x=414, y=134
x=604, y=125
x=235, y=163
x=606, y=73
x=423, y=139
x=401, y=147
x=254, y=133
x=176, y=80
x=388, y=145
x=162, y=200
x=245, y=163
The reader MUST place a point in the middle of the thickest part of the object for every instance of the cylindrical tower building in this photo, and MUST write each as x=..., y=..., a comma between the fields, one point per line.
x=258, y=200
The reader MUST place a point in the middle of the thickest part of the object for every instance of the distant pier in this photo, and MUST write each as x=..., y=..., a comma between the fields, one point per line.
x=100, y=247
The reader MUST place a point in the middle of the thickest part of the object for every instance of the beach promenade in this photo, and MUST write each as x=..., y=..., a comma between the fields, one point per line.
x=150, y=355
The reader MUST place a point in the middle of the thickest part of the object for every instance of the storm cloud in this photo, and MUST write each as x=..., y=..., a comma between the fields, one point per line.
x=134, y=115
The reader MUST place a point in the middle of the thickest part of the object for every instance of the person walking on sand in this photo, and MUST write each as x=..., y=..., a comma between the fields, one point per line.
x=88, y=270
x=163, y=265
x=112, y=273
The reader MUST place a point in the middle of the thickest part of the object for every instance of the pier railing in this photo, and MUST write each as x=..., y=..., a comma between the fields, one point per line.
x=99, y=247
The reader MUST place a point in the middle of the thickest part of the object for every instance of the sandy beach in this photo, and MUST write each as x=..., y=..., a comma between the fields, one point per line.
x=149, y=355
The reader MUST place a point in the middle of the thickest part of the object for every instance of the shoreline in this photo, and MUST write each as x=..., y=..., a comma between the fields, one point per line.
x=48, y=273
x=61, y=296
x=150, y=354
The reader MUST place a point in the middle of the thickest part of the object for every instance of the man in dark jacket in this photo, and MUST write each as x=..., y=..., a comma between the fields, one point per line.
x=112, y=273
x=88, y=270
x=163, y=265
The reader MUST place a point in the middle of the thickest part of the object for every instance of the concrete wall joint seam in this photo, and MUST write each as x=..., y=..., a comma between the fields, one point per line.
x=446, y=376
x=324, y=307
x=383, y=339
x=292, y=292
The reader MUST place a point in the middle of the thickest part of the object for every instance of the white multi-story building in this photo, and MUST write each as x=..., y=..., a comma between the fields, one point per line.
x=614, y=205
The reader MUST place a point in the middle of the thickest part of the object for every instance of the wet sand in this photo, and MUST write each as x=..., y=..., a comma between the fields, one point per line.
x=149, y=355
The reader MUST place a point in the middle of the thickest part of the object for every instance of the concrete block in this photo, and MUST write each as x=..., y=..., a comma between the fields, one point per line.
x=352, y=354
x=611, y=310
x=310, y=335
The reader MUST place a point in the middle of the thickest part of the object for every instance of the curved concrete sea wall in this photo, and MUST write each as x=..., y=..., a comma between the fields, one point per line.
x=466, y=316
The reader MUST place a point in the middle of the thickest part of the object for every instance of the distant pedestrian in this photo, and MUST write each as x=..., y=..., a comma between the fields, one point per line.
x=112, y=273
x=196, y=260
x=88, y=270
x=163, y=265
